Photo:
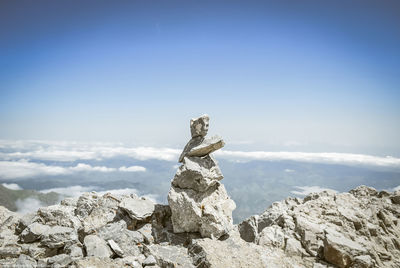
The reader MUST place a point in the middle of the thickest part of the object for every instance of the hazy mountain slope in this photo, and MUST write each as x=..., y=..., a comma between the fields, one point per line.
x=8, y=197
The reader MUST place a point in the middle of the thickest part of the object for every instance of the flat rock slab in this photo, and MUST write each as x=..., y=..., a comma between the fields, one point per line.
x=200, y=146
x=137, y=209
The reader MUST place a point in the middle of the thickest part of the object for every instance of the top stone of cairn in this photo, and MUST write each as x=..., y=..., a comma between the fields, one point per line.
x=199, y=126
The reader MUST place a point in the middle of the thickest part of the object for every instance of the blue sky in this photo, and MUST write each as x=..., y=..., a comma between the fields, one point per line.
x=284, y=75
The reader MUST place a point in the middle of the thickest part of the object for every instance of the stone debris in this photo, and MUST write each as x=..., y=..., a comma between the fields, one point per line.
x=356, y=229
x=199, y=202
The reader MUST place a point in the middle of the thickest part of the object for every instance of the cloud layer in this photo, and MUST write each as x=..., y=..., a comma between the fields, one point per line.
x=26, y=169
x=328, y=158
x=306, y=190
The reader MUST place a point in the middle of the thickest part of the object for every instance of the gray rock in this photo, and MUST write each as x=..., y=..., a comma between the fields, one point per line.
x=98, y=262
x=197, y=173
x=340, y=250
x=128, y=241
x=137, y=209
x=58, y=215
x=33, y=232
x=199, y=126
x=74, y=250
x=114, y=246
x=202, y=146
x=96, y=247
x=170, y=256
x=58, y=236
x=149, y=261
x=209, y=212
x=271, y=236
x=248, y=229
x=62, y=260
x=25, y=262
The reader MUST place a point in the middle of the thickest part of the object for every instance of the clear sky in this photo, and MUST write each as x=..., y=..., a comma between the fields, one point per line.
x=283, y=75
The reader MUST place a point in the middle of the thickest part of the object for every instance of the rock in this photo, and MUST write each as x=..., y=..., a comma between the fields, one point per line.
x=114, y=246
x=149, y=261
x=364, y=261
x=146, y=232
x=25, y=261
x=199, y=126
x=271, y=236
x=340, y=250
x=74, y=250
x=137, y=209
x=128, y=241
x=248, y=229
x=96, y=247
x=58, y=236
x=170, y=256
x=293, y=247
x=97, y=262
x=33, y=232
x=62, y=260
x=232, y=252
x=209, y=212
x=58, y=215
x=204, y=148
x=197, y=173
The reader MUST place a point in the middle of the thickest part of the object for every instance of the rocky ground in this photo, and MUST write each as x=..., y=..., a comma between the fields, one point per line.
x=356, y=229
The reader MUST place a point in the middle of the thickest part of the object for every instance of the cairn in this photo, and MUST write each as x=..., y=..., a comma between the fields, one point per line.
x=198, y=201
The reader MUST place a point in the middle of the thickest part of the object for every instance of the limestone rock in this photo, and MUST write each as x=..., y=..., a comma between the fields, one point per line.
x=149, y=261
x=137, y=208
x=59, y=236
x=197, y=173
x=96, y=247
x=209, y=212
x=170, y=256
x=340, y=250
x=271, y=236
x=202, y=147
x=25, y=261
x=248, y=229
x=199, y=126
x=62, y=260
x=33, y=232
x=114, y=246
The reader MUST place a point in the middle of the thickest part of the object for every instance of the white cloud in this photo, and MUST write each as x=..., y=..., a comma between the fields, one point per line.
x=289, y=170
x=86, y=167
x=24, y=169
x=73, y=191
x=396, y=189
x=74, y=151
x=28, y=205
x=125, y=191
x=12, y=186
x=329, y=158
x=306, y=190
x=132, y=169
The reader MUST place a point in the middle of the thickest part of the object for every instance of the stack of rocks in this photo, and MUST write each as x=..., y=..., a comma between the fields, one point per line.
x=198, y=201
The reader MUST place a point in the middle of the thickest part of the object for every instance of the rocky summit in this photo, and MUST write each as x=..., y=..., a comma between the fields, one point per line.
x=360, y=228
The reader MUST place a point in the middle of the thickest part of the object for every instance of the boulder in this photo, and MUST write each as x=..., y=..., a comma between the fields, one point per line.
x=199, y=126
x=137, y=208
x=96, y=247
x=149, y=261
x=62, y=260
x=271, y=236
x=170, y=256
x=59, y=236
x=248, y=229
x=197, y=173
x=114, y=246
x=209, y=212
x=25, y=261
x=33, y=232
x=340, y=250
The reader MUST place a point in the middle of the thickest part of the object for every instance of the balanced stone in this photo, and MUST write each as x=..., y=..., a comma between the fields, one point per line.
x=197, y=173
x=199, y=126
x=198, y=201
